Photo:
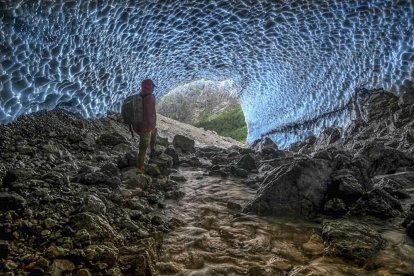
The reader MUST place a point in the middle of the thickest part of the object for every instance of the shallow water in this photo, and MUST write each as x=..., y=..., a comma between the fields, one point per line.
x=212, y=238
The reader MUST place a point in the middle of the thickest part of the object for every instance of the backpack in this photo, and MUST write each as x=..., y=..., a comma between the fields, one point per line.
x=132, y=111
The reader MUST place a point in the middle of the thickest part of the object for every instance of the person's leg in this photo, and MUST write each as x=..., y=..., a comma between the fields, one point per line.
x=144, y=141
x=153, y=140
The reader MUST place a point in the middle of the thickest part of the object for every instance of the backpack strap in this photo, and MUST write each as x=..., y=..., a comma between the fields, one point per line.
x=132, y=132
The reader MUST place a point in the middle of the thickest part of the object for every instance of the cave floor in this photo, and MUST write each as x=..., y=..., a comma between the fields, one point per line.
x=212, y=237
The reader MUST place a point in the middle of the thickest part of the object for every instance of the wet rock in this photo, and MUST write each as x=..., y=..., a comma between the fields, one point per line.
x=290, y=188
x=351, y=240
x=134, y=180
x=99, y=178
x=377, y=203
x=383, y=159
x=11, y=201
x=409, y=222
x=127, y=160
x=247, y=162
x=183, y=143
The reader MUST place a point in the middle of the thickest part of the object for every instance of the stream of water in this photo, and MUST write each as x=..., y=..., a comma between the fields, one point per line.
x=213, y=238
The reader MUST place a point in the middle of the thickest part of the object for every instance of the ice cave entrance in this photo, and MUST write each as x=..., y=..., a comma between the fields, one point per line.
x=209, y=104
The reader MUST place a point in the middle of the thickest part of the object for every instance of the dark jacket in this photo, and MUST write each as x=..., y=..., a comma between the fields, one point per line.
x=150, y=116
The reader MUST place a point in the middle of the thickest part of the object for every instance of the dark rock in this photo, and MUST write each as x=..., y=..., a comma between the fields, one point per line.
x=99, y=178
x=178, y=178
x=94, y=205
x=335, y=207
x=163, y=141
x=247, y=162
x=396, y=184
x=291, y=187
x=328, y=137
x=164, y=163
x=134, y=180
x=383, y=159
x=10, y=177
x=183, y=143
x=11, y=201
x=351, y=240
x=378, y=104
x=238, y=172
x=111, y=139
x=406, y=99
x=171, y=152
x=377, y=203
x=409, y=222
x=110, y=169
x=345, y=186
x=265, y=143
x=4, y=249
x=218, y=172
x=97, y=226
x=234, y=206
x=152, y=170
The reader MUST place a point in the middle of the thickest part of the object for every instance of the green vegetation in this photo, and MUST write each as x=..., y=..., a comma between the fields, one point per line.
x=228, y=124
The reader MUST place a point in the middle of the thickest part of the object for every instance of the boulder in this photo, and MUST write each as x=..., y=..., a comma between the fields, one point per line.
x=377, y=203
x=383, y=159
x=183, y=143
x=351, y=240
x=247, y=162
x=293, y=188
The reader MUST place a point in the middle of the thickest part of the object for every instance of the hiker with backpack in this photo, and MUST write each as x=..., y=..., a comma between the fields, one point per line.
x=138, y=111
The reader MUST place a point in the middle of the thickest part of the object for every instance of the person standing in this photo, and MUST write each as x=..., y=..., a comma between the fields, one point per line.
x=146, y=130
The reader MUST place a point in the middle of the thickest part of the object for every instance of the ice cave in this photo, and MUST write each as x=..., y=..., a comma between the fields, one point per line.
x=293, y=62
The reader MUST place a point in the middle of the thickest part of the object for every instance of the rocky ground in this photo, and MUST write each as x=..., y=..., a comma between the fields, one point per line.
x=71, y=202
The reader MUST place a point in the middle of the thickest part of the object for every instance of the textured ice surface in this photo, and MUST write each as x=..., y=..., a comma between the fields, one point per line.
x=291, y=60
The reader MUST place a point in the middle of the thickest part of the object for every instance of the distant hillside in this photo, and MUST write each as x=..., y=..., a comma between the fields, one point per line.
x=197, y=101
x=207, y=104
x=228, y=124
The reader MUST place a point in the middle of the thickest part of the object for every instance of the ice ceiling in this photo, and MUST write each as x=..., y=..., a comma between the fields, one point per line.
x=292, y=61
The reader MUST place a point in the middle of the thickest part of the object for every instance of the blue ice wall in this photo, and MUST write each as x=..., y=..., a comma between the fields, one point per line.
x=291, y=60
